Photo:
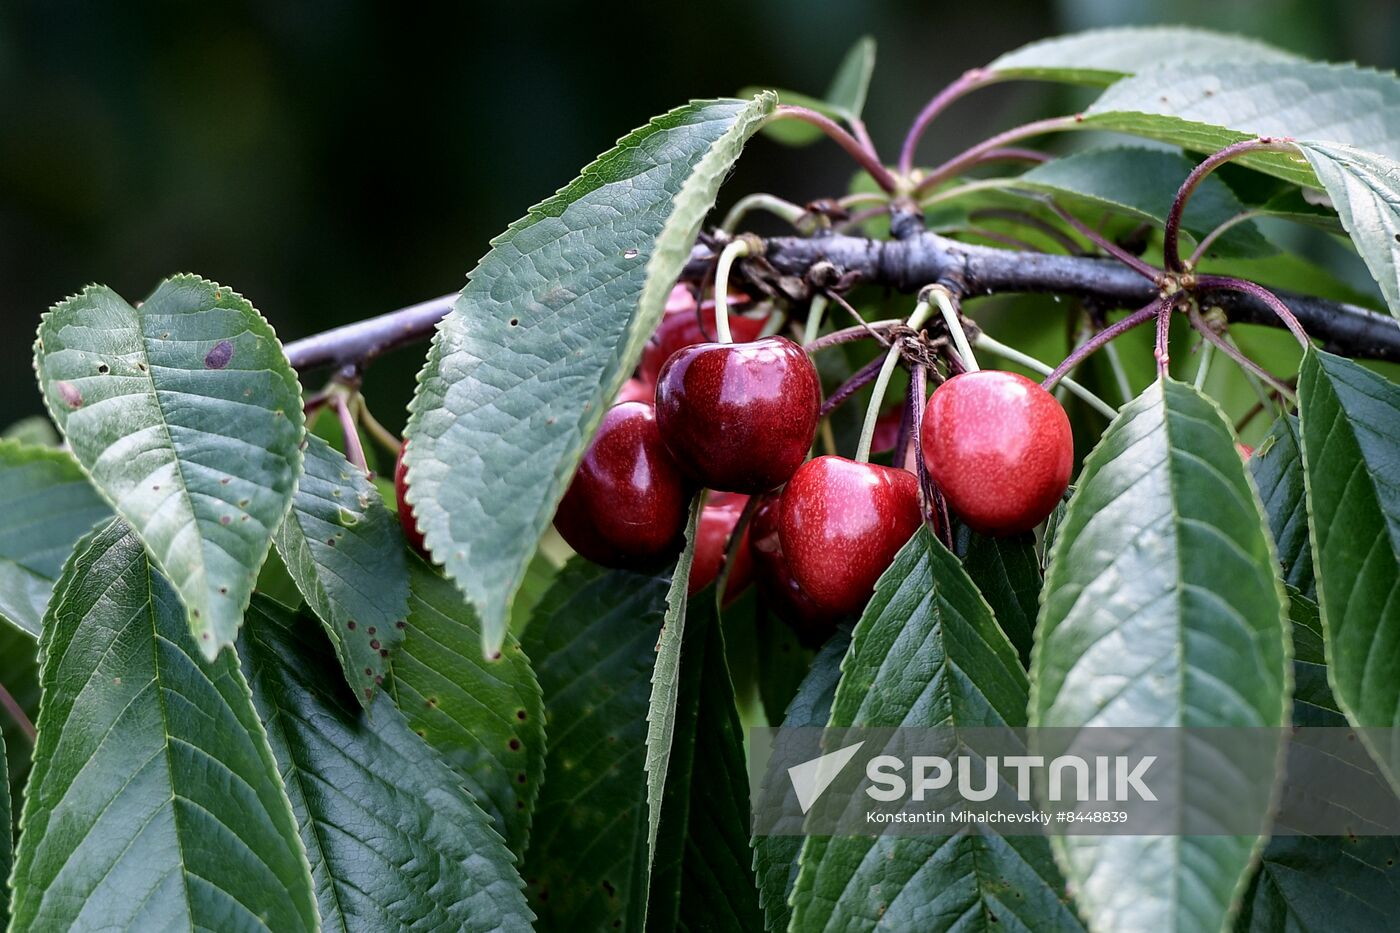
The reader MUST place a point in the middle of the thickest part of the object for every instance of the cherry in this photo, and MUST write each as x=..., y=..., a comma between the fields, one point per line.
x=681, y=327
x=739, y=417
x=780, y=592
x=628, y=503
x=1245, y=450
x=886, y=436
x=717, y=522
x=406, y=519
x=1000, y=448
x=842, y=524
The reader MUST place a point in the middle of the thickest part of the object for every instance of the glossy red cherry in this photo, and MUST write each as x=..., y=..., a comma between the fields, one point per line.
x=1000, y=448
x=843, y=522
x=886, y=435
x=681, y=327
x=780, y=592
x=628, y=503
x=739, y=417
x=717, y=521
x=410, y=526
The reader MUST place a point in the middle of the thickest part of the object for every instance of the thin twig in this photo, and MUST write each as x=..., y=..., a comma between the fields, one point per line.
x=1255, y=290
x=862, y=378
x=1234, y=353
x=1171, y=249
x=1080, y=353
x=866, y=158
x=354, y=450
x=1161, y=350
x=1107, y=245
x=11, y=706
x=967, y=82
x=974, y=155
x=871, y=331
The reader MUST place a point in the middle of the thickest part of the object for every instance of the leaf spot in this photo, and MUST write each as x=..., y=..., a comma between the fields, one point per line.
x=219, y=356
x=103, y=368
x=70, y=394
x=631, y=253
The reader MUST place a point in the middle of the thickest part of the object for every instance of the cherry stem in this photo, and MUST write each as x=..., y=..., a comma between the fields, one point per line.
x=1250, y=367
x=778, y=207
x=1209, y=239
x=1161, y=349
x=1031, y=363
x=815, y=311
x=871, y=331
x=1254, y=290
x=1203, y=368
x=11, y=706
x=1107, y=245
x=354, y=450
x=975, y=154
x=1078, y=354
x=1171, y=250
x=862, y=154
x=882, y=381
x=935, y=510
x=851, y=386
x=967, y=82
x=731, y=252
x=944, y=299
x=381, y=435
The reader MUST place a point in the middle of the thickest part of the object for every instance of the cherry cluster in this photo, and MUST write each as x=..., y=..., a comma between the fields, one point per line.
x=738, y=419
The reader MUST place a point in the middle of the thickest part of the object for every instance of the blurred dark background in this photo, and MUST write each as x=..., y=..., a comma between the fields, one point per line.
x=335, y=160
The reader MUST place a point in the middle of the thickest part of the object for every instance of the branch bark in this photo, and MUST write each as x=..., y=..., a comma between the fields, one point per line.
x=907, y=265
x=911, y=263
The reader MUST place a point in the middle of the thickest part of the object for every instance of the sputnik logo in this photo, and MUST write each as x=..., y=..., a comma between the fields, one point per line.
x=811, y=778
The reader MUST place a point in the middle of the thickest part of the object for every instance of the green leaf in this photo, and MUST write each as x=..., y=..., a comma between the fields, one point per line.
x=155, y=802
x=1351, y=464
x=1313, y=702
x=1365, y=189
x=1324, y=883
x=593, y=641
x=345, y=552
x=1102, y=56
x=188, y=418
x=36, y=430
x=775, y=857
x=852, y=81
x=485, y=716
x=46, y=505
x=550, y=324
x=7, y=854
x=927, y=652
x=1208, y=108
x=844, y=100
x=702, y=877
x=394, y=840
x=1006, y=572
x=1162, y=608
x=1143, y=183
x=781, y=663
x=666, y=681
x=1277, y=469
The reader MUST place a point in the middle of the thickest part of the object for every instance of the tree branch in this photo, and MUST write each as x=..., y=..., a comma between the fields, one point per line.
x=908, y=265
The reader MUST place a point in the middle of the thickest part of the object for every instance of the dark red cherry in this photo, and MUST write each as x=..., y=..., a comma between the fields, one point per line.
x=886, y=435
x=843, y=522
x=739, y=417
x=680, y=327
x=411, y=534
x=627, y=504
x=1000, y=448
x=718, y=518
x=780, y=593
